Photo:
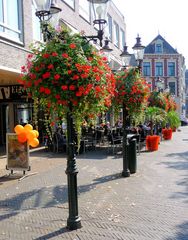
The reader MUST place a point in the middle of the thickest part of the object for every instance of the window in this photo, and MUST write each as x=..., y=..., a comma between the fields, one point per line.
x=11, y=19
x=36, y=24
x=158, y=69
x=71, y=3
x=116, y=34
x=171, y=69
x=109, y=30
x=84, y=9
x=146, y=68
x=172, y=87
x=158, y=48
x=122, y=39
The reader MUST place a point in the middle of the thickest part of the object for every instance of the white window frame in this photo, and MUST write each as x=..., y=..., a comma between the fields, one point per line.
x=84, y=9
x=148, y=67
x=116, y=32
x=8, y=29
x=37, y=35
x=174, y=68
x=159, y=75
x=122, y=38
x=71, y=3
x=109, y=27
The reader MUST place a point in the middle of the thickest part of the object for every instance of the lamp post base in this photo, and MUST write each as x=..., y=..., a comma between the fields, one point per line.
x=74, y=223
x=126, y=173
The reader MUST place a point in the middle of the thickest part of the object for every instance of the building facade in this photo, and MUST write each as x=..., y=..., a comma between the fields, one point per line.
x=20, y=28
x=186, y=91
x=163, y=62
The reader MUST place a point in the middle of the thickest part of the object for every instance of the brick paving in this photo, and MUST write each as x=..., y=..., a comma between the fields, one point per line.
x=150, y=205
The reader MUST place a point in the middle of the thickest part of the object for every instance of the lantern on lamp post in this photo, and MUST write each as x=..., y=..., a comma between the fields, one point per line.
x=125, y=57
x=47, y=12
x=99, y=8
x=138, y=49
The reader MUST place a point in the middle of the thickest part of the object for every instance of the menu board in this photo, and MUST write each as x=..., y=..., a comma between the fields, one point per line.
x=17, y=153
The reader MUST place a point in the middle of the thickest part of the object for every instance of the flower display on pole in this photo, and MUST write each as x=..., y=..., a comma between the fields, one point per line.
x=67, y=71
x=131, y=90
x=162, y=100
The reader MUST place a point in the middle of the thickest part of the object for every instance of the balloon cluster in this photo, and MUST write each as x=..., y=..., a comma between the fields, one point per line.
x=27, y=133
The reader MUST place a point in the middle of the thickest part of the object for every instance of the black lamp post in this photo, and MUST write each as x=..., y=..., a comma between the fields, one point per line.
x=45, y=10
x=126, y=58
x=138, y=49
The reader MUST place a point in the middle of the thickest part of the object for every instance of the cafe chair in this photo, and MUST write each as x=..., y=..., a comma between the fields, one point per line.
x=59, y=143
x=114, y=143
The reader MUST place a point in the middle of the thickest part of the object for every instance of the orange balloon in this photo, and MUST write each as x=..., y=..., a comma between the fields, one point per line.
x=30, y=134
x=36, y=133
x=34, y=142
x=18, y=129
x=22, y=137
x=28, y=127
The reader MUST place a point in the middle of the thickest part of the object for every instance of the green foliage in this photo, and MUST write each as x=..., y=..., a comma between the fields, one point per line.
x=155, y=115
x=173, y=119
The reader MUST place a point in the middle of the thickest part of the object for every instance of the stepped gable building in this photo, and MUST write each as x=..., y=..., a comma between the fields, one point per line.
x=163, y=62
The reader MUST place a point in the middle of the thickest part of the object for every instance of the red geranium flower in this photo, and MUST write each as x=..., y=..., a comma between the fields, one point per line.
x=72, y=46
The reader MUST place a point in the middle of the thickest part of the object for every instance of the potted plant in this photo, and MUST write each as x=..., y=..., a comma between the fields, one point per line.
x=154, y=115
x=172, y=122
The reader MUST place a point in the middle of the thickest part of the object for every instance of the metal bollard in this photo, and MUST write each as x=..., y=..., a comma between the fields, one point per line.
x=132, y=156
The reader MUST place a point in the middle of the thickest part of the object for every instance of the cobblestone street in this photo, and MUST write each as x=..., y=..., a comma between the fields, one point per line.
x=150, y=205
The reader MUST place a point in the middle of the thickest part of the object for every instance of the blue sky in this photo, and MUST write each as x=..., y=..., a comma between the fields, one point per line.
x=148, y=18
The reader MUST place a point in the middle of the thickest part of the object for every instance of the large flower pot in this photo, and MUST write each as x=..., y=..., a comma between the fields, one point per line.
x=167, y=133
x=152, y=142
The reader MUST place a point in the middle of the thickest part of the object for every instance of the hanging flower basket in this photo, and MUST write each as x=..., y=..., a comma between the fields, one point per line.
x=131, y=90
x=152, y=142
x=68, y=74
x=167, y=133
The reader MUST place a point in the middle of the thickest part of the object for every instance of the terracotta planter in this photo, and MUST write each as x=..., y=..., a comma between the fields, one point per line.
x=152, y=142
x=167, y=133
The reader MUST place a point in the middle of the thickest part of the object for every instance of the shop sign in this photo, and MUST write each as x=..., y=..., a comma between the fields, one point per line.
x=12, y=92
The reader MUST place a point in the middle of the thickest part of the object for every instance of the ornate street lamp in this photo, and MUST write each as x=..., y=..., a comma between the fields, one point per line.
x=126, y=58
x=99, y=8
x=46, y=10
x=138, y=49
